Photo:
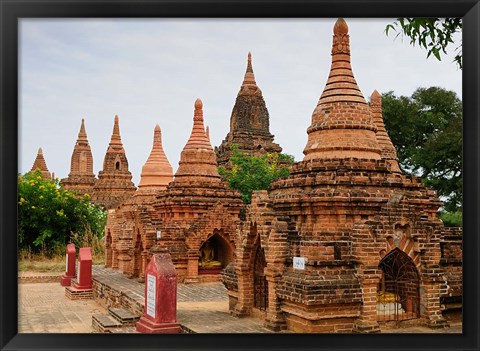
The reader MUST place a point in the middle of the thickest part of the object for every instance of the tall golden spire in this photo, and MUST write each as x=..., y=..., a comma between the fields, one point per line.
x=342, y=124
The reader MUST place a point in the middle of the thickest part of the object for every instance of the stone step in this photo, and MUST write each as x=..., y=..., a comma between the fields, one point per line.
x=123, y=316
x=103, y=323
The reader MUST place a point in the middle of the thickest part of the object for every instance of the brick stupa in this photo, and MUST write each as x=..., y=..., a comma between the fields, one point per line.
x=342, y=124
x=198, y=163
x=114, y=184
x=249, y=122
x=41, y=165
x=330, y=246
x=195, y=207
x=81, y=178
x=157, y=171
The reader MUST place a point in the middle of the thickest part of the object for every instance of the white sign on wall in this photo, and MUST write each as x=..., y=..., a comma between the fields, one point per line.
x=78, y=271
x=159, y=234
x=299, y=263
x=151, y=286
x=66, y=263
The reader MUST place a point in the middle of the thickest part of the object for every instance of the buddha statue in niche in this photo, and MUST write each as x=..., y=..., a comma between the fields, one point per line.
x=207, y=257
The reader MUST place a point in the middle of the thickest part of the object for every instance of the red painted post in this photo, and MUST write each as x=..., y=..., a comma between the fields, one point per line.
x=160, y=313
x=84, y=269
x=69, y=266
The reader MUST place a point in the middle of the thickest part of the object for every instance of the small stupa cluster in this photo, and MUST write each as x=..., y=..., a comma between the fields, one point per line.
x=344, y=243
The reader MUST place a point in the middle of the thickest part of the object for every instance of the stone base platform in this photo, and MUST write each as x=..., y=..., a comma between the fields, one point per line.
x=78, y=294
x=201, y=307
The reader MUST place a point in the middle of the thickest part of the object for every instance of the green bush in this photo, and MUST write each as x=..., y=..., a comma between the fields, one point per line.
x=249, y=173
x=451, y=219
x=50, y=217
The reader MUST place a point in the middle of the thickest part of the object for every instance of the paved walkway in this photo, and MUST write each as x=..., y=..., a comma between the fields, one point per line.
x=43, y=308
x=202, y=308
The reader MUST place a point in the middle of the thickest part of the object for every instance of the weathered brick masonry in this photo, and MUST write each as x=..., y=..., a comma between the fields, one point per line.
x=360, y=224
x=372, y=247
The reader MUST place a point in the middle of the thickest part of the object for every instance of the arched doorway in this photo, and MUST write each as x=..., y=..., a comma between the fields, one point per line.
x=260, y=287
x=214, y=255
x=398, y=291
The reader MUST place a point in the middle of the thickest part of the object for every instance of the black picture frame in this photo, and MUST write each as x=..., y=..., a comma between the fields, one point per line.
x=12, y=10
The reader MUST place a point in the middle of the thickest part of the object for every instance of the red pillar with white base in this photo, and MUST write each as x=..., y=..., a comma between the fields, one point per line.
x=69, y=266
x=84, y=271
x=160, y=314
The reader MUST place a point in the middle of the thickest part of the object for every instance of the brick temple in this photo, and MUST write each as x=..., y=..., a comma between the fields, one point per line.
x=194, y=217
x=345, y=243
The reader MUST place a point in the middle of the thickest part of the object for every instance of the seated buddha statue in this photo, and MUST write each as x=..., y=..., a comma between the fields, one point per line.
x=207, y=255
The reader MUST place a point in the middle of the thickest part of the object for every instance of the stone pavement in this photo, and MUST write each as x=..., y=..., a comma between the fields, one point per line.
x=202, y=308
x=43, y=308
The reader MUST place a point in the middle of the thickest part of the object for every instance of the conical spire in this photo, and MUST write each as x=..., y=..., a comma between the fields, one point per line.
x=116, y=141
x=388, y=150
x=198, y=138
x=114, y=184
x=249, y=86
x=341, y=84
x=198, y=161
x=81, y=178
x=41, y=165
x=157, y=171
x=342, y=125
x=82, y=135
x=82, y=160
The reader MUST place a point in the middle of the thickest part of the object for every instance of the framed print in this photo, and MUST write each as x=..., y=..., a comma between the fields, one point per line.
x=247, y=220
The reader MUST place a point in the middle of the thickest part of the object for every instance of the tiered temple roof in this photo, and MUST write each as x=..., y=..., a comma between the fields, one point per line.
x=249, y=122
x=81, y=178
x=198, y=163
x=114, y=184
x=41, y=165
x=342, y=124
x=157, y=172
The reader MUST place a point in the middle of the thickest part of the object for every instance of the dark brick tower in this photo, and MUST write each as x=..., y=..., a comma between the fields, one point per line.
x=249, y=122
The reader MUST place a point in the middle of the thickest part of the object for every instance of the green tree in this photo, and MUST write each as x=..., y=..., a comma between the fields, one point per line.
x=50, y=217
x=249, y=173
x=433, y=34
x=426, y=130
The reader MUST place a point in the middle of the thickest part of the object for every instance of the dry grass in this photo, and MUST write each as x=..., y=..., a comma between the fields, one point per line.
x=28, y=262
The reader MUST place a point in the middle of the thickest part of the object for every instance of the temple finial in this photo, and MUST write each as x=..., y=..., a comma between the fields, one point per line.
x=249, y=86
x=249, y=63
x=340, y=27
x=82, y=134
x=116, y=139
x=157, y=134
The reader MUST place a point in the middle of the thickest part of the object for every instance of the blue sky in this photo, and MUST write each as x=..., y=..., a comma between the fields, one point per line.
x=150, y=71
